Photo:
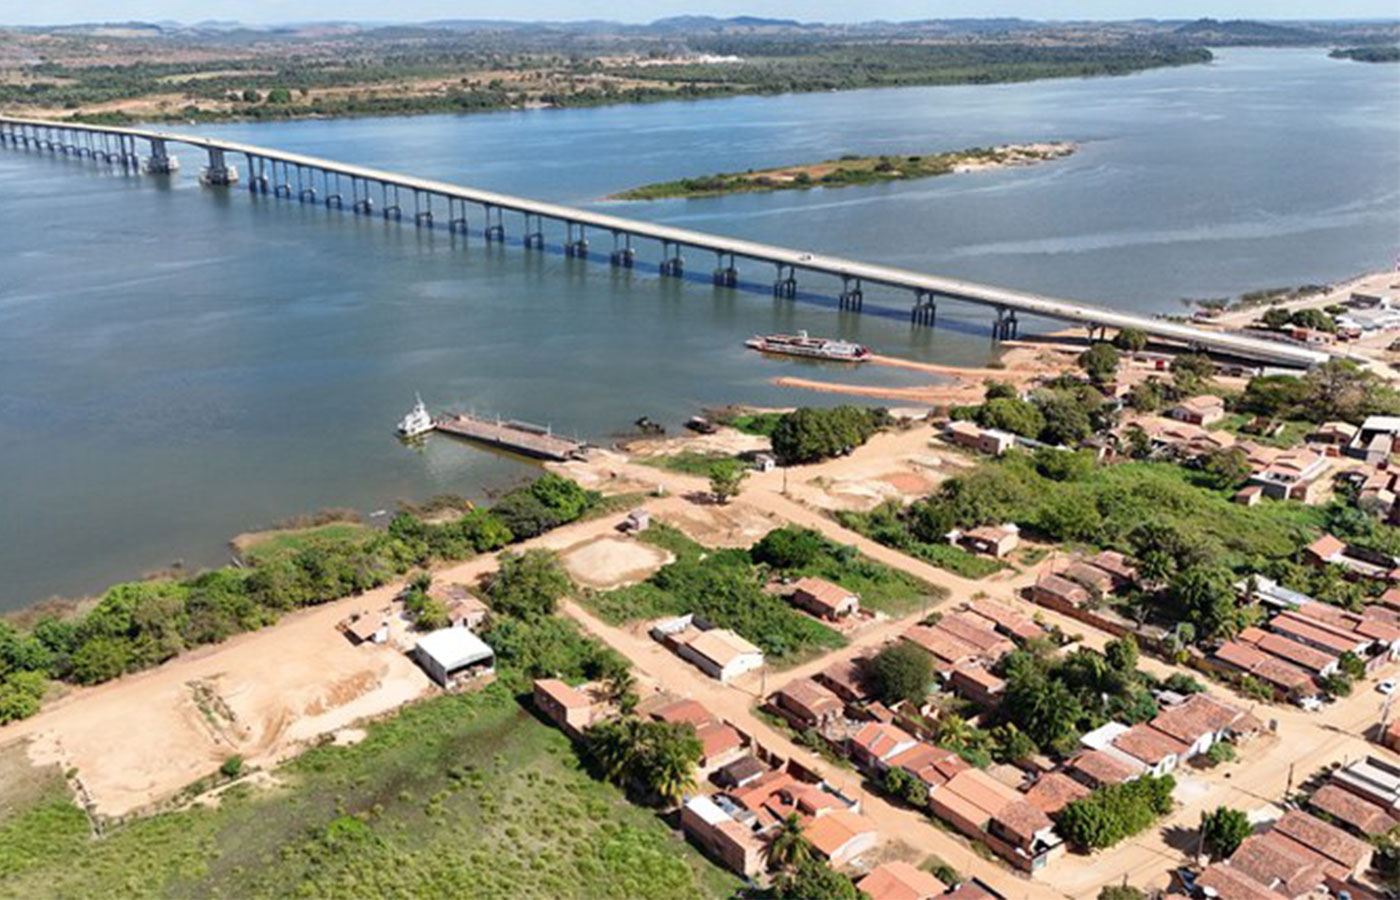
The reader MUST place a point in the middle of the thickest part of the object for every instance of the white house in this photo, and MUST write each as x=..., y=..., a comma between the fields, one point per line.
x=450, y=655
x=721, y=654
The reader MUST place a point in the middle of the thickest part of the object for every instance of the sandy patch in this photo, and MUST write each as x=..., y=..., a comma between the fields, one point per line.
x=908, y=483
x=264, y=695
x=611, y=562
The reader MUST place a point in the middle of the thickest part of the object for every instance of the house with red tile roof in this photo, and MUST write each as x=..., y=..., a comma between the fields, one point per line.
x=1201, y=721
x=932, y=765
x=1097, y=769
x=1289, y=682
x=1005, y=620
x=840, y=836
x=1053, y=791
x=807, y=703
x=1309, y=659
x=985, y=809
x=824, y=599
x=1280, y=864
x=567, y=707
x=972, y=630
x=1202, y=410
x=1159, y=753
x=1057, y=592
x=875, y=743
x=847, y=679
x=978, y=684
x=1352, y=811
x=898, y=880
x=947, y=650
x=712, y=826
x=720, y=742
x=1096, y=581
x=1228, y=883
x=1352, y=854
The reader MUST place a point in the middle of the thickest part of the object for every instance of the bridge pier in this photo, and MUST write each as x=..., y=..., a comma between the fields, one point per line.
x=306, y=195
x=852, y=297
x=218, y=173
x=1005, y=326
x=672, y=263
x=925, y=311
x=495, y=231
x=726, y=273
x=534, y=231
x=785, y=285
x=623, y=257
x=575, y=247
x=335, y=201
x=363, y=206
x=160, y=162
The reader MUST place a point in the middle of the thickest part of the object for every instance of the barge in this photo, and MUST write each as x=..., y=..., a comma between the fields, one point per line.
x=539, y=442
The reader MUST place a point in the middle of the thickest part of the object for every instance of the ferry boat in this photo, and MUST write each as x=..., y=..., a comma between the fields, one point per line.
x=416, y=422
x=801, y=344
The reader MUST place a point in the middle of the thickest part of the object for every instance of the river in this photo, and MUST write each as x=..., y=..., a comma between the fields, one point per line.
x=179, y=364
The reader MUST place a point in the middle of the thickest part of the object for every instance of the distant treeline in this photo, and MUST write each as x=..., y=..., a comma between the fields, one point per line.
x=472, y=81
x=1373, y=54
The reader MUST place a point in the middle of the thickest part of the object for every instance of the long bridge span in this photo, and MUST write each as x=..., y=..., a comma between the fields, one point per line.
x=395, y=196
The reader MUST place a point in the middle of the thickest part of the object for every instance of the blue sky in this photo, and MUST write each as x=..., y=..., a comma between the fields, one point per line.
x=270, y=11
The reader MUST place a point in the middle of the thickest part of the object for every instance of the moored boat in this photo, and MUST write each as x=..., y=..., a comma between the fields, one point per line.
x=802, y=344
x=417, y=421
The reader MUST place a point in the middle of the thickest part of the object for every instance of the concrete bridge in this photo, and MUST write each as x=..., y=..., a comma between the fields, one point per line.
x=367, y=191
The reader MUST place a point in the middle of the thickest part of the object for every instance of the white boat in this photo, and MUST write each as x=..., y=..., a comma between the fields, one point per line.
x=802, y=344
x=416, y=422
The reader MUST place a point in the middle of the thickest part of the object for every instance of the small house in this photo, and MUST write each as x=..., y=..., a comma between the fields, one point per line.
x=899, y=880
x=1202, y=410
x=825, y=600
x=971, y=436
x=565, y=706
x=808, y=704
x=366, y=628
x=1059, y=593
x=464, y=608
x=996, y=541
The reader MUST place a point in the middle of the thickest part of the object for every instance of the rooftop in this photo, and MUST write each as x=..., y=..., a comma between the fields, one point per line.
x=561, y=693
x=898, y=880
x=722, y=646
x=1053, y=791
x=453, y=648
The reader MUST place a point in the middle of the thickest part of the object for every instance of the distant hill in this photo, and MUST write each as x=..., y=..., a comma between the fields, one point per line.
x=1244, y=31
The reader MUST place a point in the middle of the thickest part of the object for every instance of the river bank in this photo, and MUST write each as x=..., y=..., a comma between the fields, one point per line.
x=852, y=169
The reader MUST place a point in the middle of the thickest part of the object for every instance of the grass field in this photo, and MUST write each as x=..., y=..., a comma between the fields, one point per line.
x=687, y=462
x=278, y=544
x=458, y=796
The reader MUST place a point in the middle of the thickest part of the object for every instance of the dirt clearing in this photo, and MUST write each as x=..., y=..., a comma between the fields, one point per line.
x=612, y=562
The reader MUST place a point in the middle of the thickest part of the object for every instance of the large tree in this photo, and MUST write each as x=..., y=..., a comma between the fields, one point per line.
x=1223, y=830
x=1100, y=362
x=528, y=584
x=901, y=671
x=726, y=478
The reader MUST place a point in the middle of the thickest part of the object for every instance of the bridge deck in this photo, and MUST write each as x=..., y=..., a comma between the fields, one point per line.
x=1019, y=301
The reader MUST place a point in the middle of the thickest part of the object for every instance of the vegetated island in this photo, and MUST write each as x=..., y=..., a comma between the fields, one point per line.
x=1382, y=53
x=852, y=169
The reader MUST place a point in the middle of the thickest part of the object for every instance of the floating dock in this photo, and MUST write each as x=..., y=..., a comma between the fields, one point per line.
x=516, y=437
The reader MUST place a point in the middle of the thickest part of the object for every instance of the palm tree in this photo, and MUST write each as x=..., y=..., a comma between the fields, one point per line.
x=954, y=732
x=671, y=767
x=614, y=744
x=789, y=848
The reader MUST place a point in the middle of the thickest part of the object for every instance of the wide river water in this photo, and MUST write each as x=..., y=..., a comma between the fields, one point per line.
x=179, y=364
